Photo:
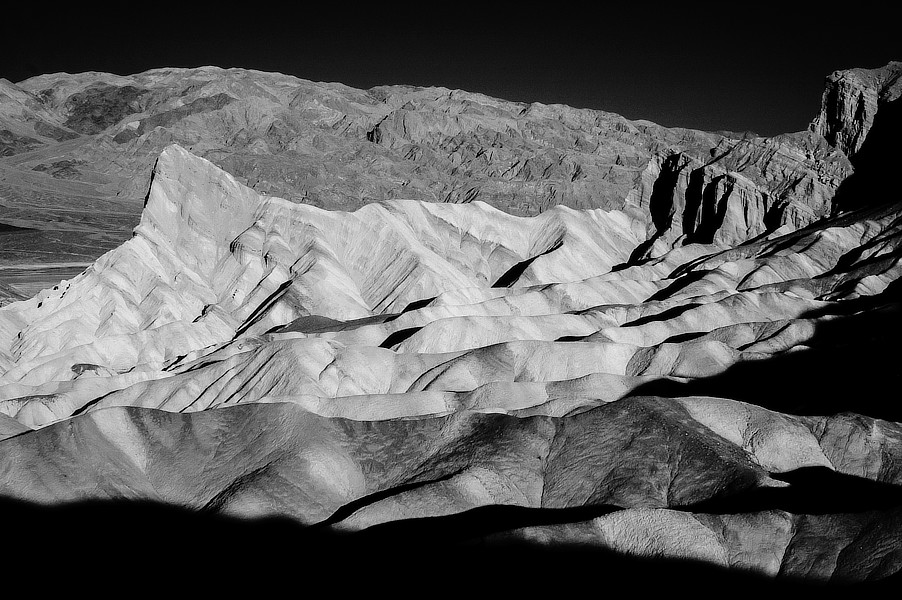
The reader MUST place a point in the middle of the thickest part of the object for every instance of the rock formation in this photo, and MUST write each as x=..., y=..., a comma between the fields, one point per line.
x=97, y=136
x=851, y=102
x=534, y=327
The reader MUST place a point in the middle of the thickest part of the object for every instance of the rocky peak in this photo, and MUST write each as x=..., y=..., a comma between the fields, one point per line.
x=850, y=103
x=861, y=116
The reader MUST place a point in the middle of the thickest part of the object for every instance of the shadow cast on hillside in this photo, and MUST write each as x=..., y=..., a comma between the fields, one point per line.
x=811, y=491
x=850, y=364
x=147, y=546
x=874, y=181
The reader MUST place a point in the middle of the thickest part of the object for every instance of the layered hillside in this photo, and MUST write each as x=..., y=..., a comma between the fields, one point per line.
x=640, y=375
x=94, y=138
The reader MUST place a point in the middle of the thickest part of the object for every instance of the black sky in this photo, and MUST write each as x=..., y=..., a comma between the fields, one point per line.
x=758, y=68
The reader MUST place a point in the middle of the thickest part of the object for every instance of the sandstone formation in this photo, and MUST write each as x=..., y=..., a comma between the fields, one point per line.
x=532, y=327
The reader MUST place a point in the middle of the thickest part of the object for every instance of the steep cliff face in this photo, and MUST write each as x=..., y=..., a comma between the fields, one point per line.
x=851, y=102
x=752, y=187
x=861, y=114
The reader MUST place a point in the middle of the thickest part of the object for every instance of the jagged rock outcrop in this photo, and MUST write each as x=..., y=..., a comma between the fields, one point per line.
x=851, y=102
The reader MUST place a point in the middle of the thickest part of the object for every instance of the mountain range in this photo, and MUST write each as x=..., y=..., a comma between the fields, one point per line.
x=462, y=328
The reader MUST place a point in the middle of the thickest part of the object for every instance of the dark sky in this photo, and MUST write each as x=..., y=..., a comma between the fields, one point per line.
x=760, y=68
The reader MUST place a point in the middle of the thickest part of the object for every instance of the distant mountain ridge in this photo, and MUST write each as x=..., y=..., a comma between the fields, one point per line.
x=336, y=147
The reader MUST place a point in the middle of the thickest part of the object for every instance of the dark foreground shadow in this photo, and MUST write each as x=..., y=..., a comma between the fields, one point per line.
x=145, y=548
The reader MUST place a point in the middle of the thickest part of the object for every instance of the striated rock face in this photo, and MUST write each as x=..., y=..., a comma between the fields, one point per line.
x=691, y=367
x=851, y=102
x=861, y=115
